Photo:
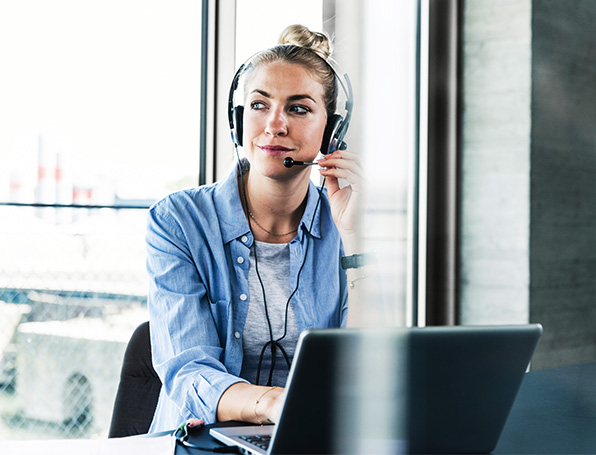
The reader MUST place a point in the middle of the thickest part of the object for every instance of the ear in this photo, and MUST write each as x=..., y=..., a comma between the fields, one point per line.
x=238, y=124
x=331, y=130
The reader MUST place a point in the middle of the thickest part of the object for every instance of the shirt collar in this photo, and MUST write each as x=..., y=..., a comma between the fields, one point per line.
x=229, y=209
x=231, y=214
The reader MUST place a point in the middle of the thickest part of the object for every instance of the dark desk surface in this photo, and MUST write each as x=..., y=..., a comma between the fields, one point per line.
x=554, y=413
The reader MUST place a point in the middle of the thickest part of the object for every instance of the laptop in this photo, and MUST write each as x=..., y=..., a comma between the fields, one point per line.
x=399, y=390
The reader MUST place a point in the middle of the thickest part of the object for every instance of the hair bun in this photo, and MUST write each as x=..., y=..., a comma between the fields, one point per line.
x=299, y=35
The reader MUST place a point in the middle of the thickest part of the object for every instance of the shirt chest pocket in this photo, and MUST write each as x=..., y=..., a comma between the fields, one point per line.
x=220, y=309
x=210, y=305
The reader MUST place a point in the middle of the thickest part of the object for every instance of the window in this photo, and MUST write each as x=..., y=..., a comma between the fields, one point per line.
x=383, y=126
x=260, y=22
x=100, y=117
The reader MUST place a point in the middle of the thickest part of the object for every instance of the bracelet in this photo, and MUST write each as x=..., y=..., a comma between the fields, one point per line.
x=259, y=400
x=351, y=283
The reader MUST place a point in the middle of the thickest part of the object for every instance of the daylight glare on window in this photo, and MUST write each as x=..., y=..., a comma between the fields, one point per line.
x=99, y=108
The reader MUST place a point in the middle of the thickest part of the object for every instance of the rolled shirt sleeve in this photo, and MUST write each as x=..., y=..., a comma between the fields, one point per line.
x=187, y=349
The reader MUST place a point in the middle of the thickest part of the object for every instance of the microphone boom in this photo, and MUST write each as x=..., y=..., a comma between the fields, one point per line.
x=289, y=162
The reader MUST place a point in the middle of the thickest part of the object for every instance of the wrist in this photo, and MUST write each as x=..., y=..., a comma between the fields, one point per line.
x=263, y=405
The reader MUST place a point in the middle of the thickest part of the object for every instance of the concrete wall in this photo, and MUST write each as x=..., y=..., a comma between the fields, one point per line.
x=529, y=171
x=563, y=180
x=496, y=162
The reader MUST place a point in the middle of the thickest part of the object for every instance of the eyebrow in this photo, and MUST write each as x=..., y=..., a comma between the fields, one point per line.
x=290, y=98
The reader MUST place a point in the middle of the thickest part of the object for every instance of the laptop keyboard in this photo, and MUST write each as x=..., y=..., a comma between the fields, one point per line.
x=260, y=441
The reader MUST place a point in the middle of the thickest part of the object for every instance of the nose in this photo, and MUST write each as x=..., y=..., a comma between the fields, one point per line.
x=277, y=123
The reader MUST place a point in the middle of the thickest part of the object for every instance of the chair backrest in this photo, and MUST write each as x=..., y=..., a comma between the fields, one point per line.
x=138, y=390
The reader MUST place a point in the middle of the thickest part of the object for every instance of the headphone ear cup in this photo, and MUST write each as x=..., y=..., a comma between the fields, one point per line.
x=329, y=136
x=238, y=124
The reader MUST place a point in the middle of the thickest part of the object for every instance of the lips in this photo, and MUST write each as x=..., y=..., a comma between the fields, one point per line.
x=274, y=149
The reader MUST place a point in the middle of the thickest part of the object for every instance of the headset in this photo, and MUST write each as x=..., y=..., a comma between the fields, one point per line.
x=335, y=129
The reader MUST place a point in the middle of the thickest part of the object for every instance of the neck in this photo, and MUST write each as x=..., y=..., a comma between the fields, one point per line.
x=275, y=208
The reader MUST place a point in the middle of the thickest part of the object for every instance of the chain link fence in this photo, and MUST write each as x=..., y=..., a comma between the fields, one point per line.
x=72, y=291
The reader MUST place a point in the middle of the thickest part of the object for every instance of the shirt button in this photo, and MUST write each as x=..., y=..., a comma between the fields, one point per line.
x=243, y=297
x=244, y=239
x=240, y=259
x=237, y=334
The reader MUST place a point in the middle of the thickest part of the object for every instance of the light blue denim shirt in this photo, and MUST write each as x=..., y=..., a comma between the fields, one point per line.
x=198, y=243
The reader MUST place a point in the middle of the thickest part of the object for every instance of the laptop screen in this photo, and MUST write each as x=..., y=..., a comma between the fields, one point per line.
x=402, y=390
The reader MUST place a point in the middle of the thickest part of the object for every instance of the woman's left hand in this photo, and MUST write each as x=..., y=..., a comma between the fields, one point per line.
x=342, y=164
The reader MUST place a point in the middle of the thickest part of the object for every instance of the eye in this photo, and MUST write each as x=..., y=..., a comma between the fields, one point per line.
x=300, y=110
x=257, y=105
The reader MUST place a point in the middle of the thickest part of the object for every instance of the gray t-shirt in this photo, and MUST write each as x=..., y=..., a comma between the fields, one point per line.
x=274, y=268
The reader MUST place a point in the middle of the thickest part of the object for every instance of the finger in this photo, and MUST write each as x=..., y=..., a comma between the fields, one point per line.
x=195, y=423
x=341, y=155
x=332, y=174
x=351, y=163
x=350, y=173
x=331, y=182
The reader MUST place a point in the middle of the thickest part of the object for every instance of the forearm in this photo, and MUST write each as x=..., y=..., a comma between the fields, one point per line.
x=250, y=403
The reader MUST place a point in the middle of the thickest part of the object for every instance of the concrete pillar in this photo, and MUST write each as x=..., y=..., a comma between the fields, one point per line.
x=529, y=171
x=495, y=207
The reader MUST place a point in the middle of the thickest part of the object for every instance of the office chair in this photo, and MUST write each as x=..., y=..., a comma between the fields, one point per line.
x=138, y=390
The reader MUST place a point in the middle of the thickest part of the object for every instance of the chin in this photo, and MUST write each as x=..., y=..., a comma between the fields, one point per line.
x=269, y=166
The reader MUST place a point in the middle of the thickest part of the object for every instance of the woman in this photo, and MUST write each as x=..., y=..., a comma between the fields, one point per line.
x=239, y=268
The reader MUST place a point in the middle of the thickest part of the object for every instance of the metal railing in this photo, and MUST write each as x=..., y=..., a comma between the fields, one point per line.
x=72, y=290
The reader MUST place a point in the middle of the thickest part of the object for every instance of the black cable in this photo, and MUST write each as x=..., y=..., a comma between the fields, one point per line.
x=304, y=261
x=274, y=344
x=182, y=435
x=271, y=341
x=223, y=449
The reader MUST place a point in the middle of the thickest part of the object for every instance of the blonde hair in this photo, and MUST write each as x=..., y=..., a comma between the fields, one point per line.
x=298, y=44
x=299, y=35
